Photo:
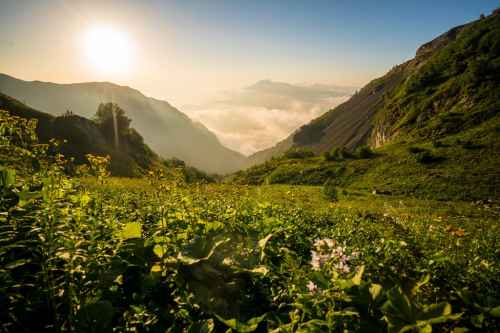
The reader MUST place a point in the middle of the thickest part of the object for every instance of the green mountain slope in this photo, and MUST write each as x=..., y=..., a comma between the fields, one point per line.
x=455, y=73
x=166, y=130
x=434, y=122
x=83, y=136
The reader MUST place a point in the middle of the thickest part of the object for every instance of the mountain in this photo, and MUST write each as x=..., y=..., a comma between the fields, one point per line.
x=434, y=122
x=79, y=136
x=166, y=130
x=455, y=73
x=303, y=93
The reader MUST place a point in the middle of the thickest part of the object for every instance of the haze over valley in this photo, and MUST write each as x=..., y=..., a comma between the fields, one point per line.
x=258, y=116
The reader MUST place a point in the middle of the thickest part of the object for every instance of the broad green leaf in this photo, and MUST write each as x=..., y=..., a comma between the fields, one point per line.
x=425, y=329
x=319, y=279
x=399, y=304
x=375, y=290
x=96, y=317
x=131, y=230
x=495, y=312
x=259, y=270
x=206, y=326
x=191, y=261
x=26, y=196
x=345, y=313
x=156, y=268
x=356, y=279
x=250, y=326
x=435, y=310
x=262, y=246
x=313, y=326
x=420, y=283
x=7, y=178
x=214, y=226
x=160, y=250
x=17, y=263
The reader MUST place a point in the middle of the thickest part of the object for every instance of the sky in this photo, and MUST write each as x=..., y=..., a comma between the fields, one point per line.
x=190, y=52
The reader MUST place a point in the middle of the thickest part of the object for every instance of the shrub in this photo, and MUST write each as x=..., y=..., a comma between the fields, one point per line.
x=330, y=190
x=364, y=152
x=300, y=153
x=471, y=145
x=327, y=156
x=425, y=157
x=344, y=153
x=174, y=163
x=332, y=155
x=340, y=154
x=438, y=144
x=416, y=150
x=287, y=173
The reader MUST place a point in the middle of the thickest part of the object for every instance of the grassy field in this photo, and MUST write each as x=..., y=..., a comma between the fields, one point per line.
x=448, y=247
x=93, y=253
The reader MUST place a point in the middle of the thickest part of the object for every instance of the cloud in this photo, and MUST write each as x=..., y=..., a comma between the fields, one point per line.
x=259, y=116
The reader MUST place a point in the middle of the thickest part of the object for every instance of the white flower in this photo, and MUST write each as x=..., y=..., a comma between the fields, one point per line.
x=324, y=250
x=312, y=287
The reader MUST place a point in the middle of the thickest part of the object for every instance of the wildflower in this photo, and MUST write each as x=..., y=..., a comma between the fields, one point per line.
x=341, y=267
x=312, y=287
x=326, y=250
x=319, y=259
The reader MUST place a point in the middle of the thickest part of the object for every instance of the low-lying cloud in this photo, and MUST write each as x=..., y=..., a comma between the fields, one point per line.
x=261, y=115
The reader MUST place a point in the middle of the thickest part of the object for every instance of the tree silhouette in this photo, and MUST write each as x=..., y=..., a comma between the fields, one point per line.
x=113, y=122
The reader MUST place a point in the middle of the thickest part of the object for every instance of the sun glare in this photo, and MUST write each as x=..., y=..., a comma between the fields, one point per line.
x=108, y=50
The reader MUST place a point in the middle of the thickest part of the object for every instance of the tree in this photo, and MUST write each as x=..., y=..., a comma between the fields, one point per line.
x=113, y=122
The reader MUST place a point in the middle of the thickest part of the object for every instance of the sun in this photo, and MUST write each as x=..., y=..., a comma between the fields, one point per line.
x=108, y=50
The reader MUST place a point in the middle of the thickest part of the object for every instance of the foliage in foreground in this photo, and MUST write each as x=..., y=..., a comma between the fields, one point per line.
x=163, y=256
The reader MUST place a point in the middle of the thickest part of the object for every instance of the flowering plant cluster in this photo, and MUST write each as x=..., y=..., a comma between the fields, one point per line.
x=325, y=250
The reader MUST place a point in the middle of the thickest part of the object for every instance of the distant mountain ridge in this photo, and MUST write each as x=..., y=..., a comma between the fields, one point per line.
x=165, y=129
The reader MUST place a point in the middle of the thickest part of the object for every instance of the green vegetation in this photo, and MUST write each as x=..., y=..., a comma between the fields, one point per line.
x=299, y=153
x=179, y=170
x=454, y=89
x=463, y=166
x=100, y=254
x=434, y=119
x=330, y=190
x=450, y=86
x=78, y=136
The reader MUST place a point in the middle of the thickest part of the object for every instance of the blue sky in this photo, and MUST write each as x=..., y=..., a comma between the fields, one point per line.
x=187, y=50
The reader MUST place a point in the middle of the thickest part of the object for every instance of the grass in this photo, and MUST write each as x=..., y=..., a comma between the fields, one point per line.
x=461, y=166
x=152, y=254
x=401, y=238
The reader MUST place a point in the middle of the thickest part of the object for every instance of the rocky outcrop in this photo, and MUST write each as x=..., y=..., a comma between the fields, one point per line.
x=429, y=48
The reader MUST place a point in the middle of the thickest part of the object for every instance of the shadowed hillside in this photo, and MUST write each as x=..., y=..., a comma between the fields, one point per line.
x=168, y=131
x=80, y=136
